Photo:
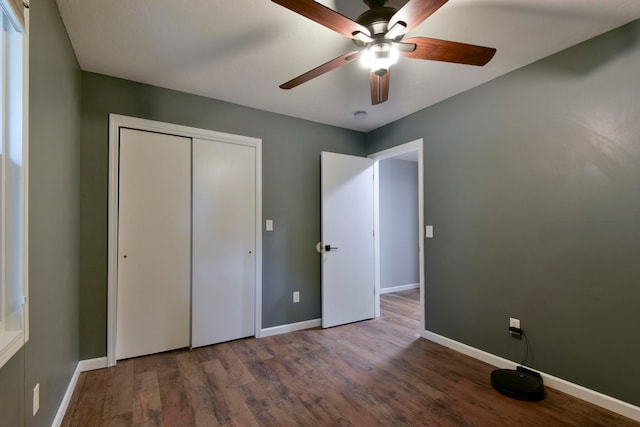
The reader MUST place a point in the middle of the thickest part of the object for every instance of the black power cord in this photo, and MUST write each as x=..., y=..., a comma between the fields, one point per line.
x=526, y=355
x=520, y=333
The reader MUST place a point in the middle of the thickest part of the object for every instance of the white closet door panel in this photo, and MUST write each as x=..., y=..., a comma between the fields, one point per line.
x=154, y=238
x=224, y=186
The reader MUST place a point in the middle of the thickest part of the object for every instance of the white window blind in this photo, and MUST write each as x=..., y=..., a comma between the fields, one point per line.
x=13, y=176
x=18, y=9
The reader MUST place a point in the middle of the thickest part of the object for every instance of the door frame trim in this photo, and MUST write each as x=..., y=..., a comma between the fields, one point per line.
x=386, y=154
x=116, y=122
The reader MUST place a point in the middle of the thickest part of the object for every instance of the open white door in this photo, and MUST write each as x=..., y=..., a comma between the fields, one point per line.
x=347, y=239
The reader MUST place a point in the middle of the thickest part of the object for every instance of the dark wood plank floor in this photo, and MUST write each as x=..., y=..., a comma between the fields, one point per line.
x=372, y=373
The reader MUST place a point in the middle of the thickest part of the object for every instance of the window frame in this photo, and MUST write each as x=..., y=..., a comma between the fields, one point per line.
x=11, y=341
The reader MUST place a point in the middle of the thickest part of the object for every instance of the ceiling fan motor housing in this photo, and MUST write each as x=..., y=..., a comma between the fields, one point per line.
x=376, y=20
x=374, y=3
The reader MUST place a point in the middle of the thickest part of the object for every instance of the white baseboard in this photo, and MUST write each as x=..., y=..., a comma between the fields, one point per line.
x=607, y=402
x=399, y=288
x=291, y=327
x=91, y=364
x=62, y=409
x=82, y=366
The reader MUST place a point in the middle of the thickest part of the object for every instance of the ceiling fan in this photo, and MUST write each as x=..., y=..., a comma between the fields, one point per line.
x=378, y=34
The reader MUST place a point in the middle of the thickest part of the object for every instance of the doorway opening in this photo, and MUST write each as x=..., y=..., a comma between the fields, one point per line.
x=399, y=246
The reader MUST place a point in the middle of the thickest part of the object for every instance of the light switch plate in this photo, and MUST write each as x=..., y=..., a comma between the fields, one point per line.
x=429, y=232
x=269, y=225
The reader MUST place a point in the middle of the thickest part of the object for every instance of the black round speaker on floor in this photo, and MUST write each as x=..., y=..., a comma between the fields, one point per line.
x=520, y=384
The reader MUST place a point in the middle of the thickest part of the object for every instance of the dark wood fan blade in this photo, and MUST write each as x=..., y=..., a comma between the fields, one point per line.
x=414, y=12
x=448, y=51
x=379, y=87
x=324, y=68
x=324, y=16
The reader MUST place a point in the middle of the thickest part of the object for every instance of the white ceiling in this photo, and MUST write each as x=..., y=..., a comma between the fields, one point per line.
x=241, y=50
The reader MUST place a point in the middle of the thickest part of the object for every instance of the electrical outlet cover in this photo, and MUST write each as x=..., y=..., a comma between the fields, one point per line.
x=36, y=399
x=514, y=323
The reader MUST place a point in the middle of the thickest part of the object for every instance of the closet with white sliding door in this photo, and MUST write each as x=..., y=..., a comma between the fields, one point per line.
x=223, y=257
x=186, y=242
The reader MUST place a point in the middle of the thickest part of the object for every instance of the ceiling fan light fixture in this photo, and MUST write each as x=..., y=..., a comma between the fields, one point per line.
x=379, y=57
x=395, y=31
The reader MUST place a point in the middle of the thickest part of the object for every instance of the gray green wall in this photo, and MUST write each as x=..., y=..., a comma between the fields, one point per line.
x=51, y=355
x=291, y=192
x=398, y=217
x=532, y=182
x=12, y=391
